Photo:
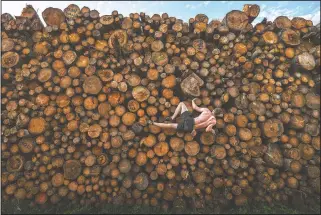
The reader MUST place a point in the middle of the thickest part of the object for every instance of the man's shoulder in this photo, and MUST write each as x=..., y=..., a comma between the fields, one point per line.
x=206, y=110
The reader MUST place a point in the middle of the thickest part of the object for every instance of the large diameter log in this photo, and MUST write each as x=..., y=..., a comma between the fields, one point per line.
x=15, y=163
x=282, y=22
x=273, y=128
x=92, y=85
x=290, y=37
x=140, y=93
x=306, y=61
x=236, y=20
x=53, y=16
x=9, y=59
x=72, y=169
x=191, y=84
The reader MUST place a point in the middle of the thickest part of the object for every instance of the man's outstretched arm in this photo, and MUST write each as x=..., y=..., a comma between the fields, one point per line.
x=195, y=107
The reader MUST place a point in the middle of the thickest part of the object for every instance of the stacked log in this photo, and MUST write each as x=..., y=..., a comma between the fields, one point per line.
x=78, y=93
x=27, y=21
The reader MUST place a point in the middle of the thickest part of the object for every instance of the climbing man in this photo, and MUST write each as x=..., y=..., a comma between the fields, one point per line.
x=189, y=124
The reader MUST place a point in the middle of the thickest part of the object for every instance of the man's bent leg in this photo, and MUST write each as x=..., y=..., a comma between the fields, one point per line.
x=181, y=108
x=184, y=108
x=177, y=110
x=166, y=125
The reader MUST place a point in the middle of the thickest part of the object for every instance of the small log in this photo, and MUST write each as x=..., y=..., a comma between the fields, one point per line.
x=252, y=11
x=37, y=125
x=118, y=38
x=141, y=181
x=72, y=11
x=218, y=152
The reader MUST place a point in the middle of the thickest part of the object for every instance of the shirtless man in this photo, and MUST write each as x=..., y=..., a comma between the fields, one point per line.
x=189, y=124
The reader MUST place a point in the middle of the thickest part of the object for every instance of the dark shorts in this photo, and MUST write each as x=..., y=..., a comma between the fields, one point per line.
x=187, y=123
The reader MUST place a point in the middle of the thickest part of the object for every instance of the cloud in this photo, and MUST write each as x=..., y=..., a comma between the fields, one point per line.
x=193, y=7
x=206, y=3
x=206, y=7
x=273, y=12
x=315, y=17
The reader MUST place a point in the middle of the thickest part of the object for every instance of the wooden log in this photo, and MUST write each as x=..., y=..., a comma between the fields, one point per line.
x=77, y=96
x=9, y=59
x=290, y=37
x=140, y=93
x=192, y=148
x=53, y=16
x=305, y=61
x=72, y=169
x=72, y=11
x=273, y=128
x=236, y=20
x=252, y=11
x=282, y=22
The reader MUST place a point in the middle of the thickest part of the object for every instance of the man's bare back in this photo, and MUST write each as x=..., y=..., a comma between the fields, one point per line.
x=205, y=120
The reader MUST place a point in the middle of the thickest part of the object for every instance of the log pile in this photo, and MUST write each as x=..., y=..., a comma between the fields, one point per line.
x=77, y=94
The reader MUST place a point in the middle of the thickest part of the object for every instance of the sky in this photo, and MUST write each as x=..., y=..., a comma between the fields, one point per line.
x=181, y=9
